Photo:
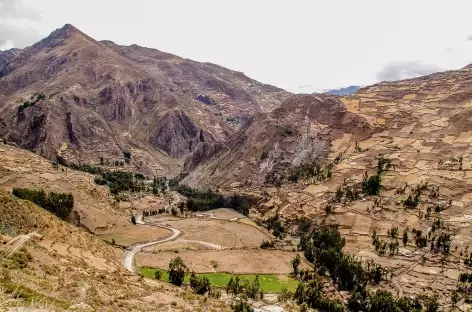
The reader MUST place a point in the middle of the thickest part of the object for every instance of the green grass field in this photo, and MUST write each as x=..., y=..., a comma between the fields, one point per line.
x=269, y=283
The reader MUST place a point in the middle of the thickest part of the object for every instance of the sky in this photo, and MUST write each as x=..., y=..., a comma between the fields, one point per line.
x=302, y=46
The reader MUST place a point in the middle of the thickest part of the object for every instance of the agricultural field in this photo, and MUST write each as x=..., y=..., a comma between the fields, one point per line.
x=224, y=233
x=134, y=234
x=269, y=283
x=234, y=261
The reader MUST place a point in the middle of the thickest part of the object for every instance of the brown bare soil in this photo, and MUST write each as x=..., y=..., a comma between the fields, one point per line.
x=250, y=261
x=135, y=234
x=224, y=233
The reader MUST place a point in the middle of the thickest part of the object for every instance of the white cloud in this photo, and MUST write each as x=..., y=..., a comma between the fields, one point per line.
x=469, y=38
x=324, y=44
x=13, y=17
x=400, y=70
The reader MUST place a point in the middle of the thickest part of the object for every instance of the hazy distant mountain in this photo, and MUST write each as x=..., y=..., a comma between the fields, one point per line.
x=344, y=91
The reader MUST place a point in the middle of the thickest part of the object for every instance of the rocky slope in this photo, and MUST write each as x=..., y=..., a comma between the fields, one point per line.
x=299, y=131
x=101, y=99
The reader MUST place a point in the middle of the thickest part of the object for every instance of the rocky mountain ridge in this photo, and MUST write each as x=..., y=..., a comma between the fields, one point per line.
x=101, y=99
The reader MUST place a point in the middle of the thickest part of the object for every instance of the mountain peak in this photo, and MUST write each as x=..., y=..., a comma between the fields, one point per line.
x=61, y=35
x=65, y=32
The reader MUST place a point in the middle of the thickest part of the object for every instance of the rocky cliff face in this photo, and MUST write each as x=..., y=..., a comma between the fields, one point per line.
x=298, y=131
x=102, y=99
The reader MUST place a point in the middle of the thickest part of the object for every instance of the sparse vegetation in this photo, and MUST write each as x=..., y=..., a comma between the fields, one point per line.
x=34, y=100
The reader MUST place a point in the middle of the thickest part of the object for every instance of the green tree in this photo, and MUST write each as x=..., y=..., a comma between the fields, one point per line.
x=383, y=301
x=241, y=306
x=177, y=271
x=405, y=237
x=284, y=295
x=199, y=284
x=158, y=274
x=295, y=264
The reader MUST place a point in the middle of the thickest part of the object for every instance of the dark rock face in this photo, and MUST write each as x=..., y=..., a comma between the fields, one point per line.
x=202, y=153
x=178, y=135
x=205, y=99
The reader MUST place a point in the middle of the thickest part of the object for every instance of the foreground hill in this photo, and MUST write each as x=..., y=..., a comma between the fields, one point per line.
x=73, y=96
x=70, y=269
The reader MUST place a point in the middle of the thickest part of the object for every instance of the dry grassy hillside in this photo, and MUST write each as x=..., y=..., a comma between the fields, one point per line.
x=70, y=269
x=93, y=204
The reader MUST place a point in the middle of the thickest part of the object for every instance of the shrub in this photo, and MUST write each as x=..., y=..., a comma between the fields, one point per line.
x=267, y=244
x=241, y=306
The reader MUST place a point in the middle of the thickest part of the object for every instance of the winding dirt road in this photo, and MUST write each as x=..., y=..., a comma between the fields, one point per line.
x=128, y=258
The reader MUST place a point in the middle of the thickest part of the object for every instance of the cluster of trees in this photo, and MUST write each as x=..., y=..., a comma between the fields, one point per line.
x=348, y=192
x=414, y=198
x=451, y=163
x=438, y=243
x=371, y=185
x=323, y=247
x=311, y=294
x=468, y=259
x=384, y=301
x=465, y=277
x=199, y=284
x=120, y=181
x=237, y=286
x=177, y=271
x=159, y=185
x=441, y=243
x=274, y=224
x=149, y=213
x=267, y=244
x=32, y=102
x=60, y=204
x=312, y=172
x=241, y=306
x=107, y=162
x=209, y=199
x=382, y=246
x=117, y=180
